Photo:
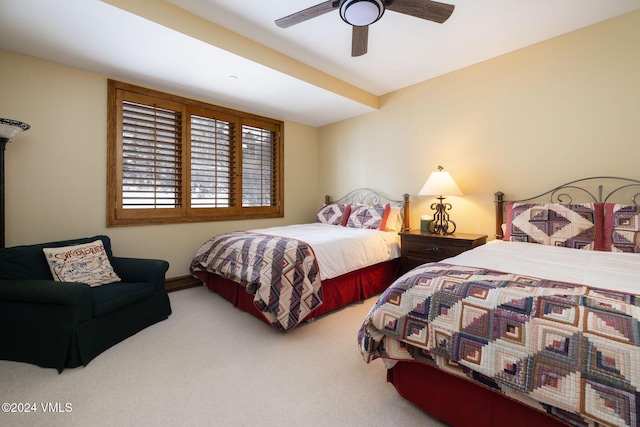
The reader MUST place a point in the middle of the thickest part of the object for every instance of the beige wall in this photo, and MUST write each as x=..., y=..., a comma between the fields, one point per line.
x=521, y=123
x=56, y=171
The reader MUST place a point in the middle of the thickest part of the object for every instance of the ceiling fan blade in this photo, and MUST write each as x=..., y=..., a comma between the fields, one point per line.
x=425, y=9
x=359, y=40
x=305, y=14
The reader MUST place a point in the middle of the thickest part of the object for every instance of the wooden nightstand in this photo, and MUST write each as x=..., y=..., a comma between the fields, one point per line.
x=418, y=248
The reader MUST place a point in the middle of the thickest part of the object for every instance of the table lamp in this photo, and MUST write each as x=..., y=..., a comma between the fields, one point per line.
x=441, y=184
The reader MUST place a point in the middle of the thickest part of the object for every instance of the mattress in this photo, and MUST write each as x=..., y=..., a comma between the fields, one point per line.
x=607, y=270
x=339, y=250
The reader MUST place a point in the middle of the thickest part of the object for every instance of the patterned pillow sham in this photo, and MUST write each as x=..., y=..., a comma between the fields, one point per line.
x=86, y=263
x=334, y=214
x=372, y=217
x=573, y=226
x=621, y=228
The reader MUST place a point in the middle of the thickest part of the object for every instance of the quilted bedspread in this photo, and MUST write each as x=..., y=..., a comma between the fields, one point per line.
x=565, y=348
x=281, y=273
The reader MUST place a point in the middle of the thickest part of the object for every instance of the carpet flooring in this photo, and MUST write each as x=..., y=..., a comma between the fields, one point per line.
x=210, y=364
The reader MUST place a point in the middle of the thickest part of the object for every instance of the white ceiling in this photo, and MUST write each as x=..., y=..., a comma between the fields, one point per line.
x=403, y=50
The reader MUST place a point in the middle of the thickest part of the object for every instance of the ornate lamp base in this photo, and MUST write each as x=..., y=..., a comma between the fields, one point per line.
x=441, y=223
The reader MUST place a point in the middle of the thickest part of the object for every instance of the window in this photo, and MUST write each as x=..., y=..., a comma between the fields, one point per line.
x=173, y=160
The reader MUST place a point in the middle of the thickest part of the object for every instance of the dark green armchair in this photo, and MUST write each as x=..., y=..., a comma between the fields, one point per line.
x=64, y=324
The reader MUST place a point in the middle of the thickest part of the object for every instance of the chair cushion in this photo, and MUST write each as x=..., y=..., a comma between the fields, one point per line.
x=113, y=296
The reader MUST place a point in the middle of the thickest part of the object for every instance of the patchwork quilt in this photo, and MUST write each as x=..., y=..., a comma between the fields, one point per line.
x=571, y=350
x=282, y=273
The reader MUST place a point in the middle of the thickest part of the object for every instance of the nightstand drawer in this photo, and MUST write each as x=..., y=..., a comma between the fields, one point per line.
x=433, y=251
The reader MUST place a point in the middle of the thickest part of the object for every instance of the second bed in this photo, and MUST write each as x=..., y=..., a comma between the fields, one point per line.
x=289, y=274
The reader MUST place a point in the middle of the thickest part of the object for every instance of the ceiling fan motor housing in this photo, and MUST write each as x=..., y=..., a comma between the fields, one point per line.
x=360, y=13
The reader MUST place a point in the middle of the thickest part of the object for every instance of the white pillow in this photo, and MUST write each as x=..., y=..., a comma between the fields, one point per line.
x=87, y=263
x=394, y=220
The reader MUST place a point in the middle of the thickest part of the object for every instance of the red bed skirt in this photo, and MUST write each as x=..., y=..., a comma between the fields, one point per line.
x=337, y=292
x=459, y=402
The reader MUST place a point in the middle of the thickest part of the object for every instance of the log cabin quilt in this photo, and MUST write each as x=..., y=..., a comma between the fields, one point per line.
x=565, y=348
x=282, y=273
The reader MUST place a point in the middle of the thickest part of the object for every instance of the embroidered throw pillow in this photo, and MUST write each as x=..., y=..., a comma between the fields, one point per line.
x=334, y=214
x=573, y=226
x=373, y=217
x=87, y=263
x=621, y=228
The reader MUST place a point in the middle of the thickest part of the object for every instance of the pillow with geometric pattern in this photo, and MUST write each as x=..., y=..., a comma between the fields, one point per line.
x=621, y=228
x=334, y=214
x=86, y=263
x=572, y=226
x=372, y=217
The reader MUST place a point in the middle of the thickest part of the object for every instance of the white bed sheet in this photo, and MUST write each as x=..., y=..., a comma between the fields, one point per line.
x=608, y=270
x=340, y=250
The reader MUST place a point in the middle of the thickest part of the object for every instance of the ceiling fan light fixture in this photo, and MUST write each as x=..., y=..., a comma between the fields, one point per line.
x=360, y=13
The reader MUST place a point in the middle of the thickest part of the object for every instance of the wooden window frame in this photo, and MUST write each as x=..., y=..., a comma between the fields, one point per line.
x=117, y=215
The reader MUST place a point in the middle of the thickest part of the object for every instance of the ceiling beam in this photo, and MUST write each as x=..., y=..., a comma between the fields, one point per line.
x=187, y=23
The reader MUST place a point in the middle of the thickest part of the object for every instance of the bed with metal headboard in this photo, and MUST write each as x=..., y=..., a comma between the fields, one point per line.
x=536, y=328
x=290, y=274
x=596, y=189
x=369, y=197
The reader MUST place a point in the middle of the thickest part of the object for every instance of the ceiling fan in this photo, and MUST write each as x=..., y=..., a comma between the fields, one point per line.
x=362, y=13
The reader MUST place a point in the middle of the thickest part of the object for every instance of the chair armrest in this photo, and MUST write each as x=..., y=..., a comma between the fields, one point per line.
x=45, y=292
x=45, y=302
x=141, y=270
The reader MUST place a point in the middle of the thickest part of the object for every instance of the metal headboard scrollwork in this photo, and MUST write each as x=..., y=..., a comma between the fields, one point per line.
x=367, y=196
x=606, y=189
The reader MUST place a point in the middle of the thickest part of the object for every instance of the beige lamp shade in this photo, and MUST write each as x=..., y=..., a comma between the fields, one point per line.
x=440, y=183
